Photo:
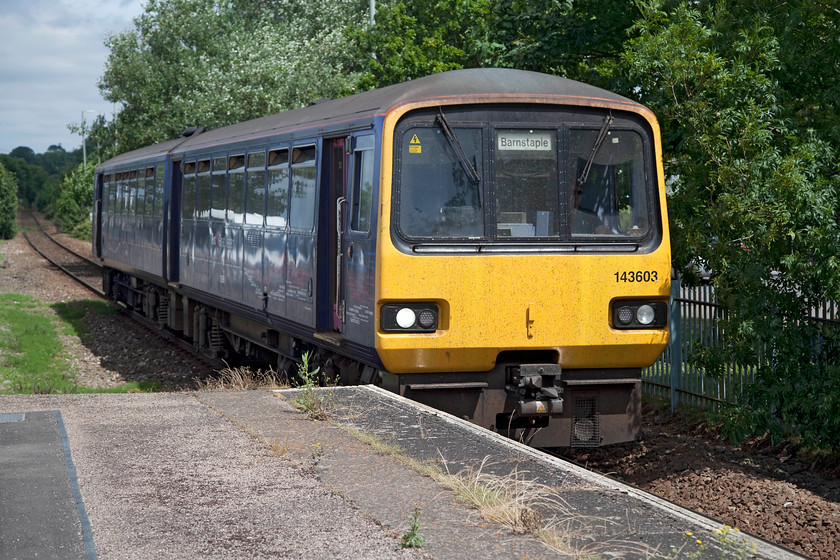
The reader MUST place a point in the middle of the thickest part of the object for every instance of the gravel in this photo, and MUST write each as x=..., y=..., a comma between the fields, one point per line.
x=186, y=485
x=764, y=490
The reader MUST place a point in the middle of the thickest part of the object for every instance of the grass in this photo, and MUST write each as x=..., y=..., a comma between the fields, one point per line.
x=413, y=538
x=315, y=406
x=242, y=378
x=31, y=352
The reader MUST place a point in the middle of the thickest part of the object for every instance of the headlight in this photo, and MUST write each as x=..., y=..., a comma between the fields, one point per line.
x=409, y=317
x=645, y=314
x=406, y=317
x=639, y=314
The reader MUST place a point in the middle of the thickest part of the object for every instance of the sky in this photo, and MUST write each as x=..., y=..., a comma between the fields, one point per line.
x=52, y=55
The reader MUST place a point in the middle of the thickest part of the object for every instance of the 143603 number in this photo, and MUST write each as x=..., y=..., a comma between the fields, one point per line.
x=637, y=276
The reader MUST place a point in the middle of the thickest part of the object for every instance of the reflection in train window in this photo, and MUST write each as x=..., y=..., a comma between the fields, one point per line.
x=277, y=203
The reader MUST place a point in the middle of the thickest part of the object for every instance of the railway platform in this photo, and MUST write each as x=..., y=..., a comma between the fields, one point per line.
x=247, y=475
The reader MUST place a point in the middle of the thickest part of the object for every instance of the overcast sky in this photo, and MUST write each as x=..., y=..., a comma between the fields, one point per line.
x=52, y=55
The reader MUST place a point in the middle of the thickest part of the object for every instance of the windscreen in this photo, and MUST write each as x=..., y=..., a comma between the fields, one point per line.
x=570, y=179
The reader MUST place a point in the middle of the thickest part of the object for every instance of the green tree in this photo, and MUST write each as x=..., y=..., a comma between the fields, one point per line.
x=75, y=198
x=218, y=62
x=570, y=38
x=32, y=180
x=25, y=153
x=412, y=40
x=755, y=197
x=8, y=204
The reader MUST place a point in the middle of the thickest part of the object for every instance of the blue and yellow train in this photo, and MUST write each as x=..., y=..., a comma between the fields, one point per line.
x=491, y=242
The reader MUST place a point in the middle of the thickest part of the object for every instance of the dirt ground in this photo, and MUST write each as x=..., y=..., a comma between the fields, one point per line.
x=768, y=491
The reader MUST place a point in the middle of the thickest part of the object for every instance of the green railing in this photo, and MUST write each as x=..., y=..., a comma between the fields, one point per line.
x=694, y=316
x=694, y=324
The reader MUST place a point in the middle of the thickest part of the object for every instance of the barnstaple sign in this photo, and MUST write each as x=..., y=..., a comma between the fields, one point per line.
x=529, y=141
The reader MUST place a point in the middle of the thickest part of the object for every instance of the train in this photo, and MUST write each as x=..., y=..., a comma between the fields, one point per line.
x=490, y=242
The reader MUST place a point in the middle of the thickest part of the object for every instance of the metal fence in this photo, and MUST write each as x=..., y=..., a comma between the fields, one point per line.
x=694, y=316
x=694, y=324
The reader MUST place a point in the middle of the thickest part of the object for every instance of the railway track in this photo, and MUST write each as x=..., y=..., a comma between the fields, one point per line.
x=80, y=268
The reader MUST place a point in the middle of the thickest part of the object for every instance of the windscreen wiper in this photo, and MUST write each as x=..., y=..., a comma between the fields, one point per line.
x=602, y=134
x=469, y=168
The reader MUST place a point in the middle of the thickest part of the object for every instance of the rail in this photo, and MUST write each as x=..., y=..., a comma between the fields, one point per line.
x=64, y=269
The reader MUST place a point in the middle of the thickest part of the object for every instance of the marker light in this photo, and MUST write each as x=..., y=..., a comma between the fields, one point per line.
x=625, y=315
x=427, y=318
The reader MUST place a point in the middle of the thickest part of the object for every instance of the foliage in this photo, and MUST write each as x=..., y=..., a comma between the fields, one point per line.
x=567, y=38
x=55, y=161
x=412, y=40
x=75, y=199
x=34, y=183
x=570, y=38
x=8, y=204
x=83, y=230
x=308, y=401
x=412, y=538
x=218, y=62
x=755, y=198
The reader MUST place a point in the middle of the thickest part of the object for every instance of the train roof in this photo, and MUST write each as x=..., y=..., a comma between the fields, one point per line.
x=487, y=83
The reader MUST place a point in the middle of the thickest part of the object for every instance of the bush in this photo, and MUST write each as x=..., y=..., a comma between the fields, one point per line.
x=8, y=204
x=75, y=198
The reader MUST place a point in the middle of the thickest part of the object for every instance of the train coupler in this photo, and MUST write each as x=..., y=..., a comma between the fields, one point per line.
x=537, y=389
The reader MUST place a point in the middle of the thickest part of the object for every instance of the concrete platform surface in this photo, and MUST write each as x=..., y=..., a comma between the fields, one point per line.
x=247, y=475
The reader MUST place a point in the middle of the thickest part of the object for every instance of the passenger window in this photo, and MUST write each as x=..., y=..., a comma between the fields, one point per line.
x=218, y=189
x=106, y=194
x=255, y=192
x=527, y=187
x=236, y=189
x=118, y=185
x=118, y=194
x=132, y=194
x=277, y=203
x=202, y=209
x=303, y=188
x=159, y=182
x=188, y=195
x=362, y=184
x=149, y=192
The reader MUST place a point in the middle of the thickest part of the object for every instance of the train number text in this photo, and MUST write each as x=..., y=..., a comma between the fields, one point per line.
x=637, y=276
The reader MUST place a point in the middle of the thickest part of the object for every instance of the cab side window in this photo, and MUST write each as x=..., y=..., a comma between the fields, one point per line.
x=362, y=184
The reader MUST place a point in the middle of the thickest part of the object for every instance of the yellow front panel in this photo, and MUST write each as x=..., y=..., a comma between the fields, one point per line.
x=495, y=303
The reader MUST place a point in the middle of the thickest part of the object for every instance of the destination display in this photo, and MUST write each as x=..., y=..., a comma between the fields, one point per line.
x=525, y=140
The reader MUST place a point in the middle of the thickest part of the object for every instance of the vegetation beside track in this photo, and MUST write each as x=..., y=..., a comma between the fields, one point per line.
x=31, y=352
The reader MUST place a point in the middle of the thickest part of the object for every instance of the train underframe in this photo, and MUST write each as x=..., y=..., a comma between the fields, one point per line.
x=525, y=397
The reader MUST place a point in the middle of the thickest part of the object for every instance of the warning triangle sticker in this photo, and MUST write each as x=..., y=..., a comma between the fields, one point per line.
x=414, y=140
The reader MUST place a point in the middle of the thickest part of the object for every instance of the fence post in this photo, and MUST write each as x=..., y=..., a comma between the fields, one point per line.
x=675, y=342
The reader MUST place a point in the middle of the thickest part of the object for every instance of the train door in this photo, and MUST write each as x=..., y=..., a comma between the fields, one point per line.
x=337, y=232
x=358, y=242
x=349, y=251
